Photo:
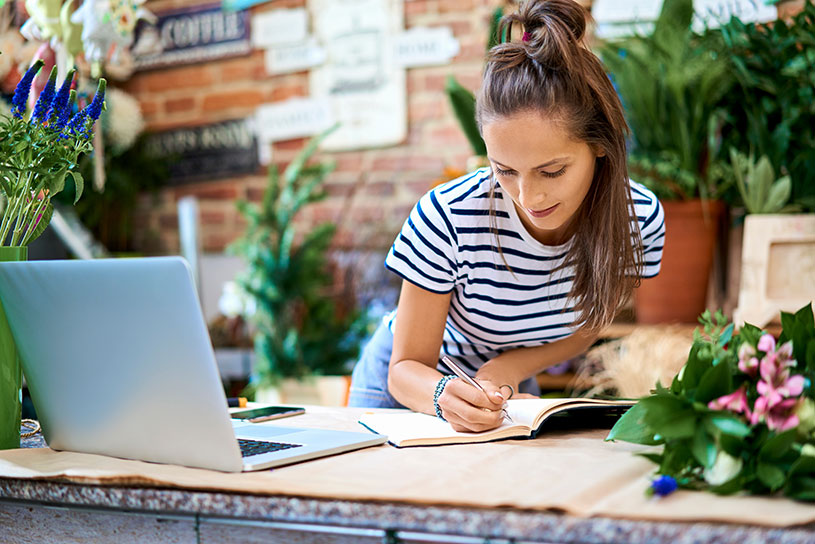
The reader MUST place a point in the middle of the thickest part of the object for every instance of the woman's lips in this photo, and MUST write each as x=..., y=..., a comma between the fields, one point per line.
x=542, y=213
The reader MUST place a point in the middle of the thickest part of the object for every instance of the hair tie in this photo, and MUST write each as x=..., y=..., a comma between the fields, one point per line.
x=525, y=37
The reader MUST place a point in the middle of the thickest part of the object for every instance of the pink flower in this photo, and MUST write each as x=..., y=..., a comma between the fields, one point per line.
x=736, y=402
x=766, y=343
x=780, y=417
x=748, y=362
x=776, y=383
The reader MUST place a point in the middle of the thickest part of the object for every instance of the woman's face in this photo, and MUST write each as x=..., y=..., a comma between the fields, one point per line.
x=544, y=171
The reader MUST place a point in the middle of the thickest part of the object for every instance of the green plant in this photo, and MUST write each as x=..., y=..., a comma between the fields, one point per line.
x=670, y=85
x=760, y=191
x=299, y=330
x=38, y=153
x=739, y=416
x=772, y=111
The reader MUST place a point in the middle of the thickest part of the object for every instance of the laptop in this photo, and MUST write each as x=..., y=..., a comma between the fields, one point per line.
x=118, y=361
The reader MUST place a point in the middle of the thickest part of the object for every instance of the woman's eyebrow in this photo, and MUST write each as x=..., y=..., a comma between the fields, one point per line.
x=544, y=165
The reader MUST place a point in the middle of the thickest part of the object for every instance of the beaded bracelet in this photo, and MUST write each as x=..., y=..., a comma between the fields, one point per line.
x=439, y=389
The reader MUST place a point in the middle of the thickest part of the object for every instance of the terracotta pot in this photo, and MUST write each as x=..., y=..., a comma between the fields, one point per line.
x=679, y=293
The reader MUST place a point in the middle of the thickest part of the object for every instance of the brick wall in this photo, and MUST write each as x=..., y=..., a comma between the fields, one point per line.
x=370, y=192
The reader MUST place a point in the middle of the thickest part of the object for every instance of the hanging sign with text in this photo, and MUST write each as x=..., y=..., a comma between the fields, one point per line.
x=191, y=35
x=203, y=152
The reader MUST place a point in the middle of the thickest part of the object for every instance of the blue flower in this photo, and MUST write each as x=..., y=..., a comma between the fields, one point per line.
x=43, y=104
x=95, y=107
x=60, y=111
x=78, y=125
x=20, y=99
x=664, y=485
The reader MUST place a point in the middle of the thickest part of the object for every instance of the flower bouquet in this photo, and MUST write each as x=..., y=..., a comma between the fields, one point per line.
x=37, y=154
x=739, y=416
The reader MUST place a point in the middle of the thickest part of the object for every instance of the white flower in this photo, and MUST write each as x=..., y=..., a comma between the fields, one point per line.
x=808, y=450
x=123, y=120
x=723, y=470
x=233, y=301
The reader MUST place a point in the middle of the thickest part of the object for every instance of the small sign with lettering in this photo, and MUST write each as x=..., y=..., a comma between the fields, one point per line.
x=295, y=118
x=425, y=47
x=294, y=58
x=207, y=151
x=191, y=35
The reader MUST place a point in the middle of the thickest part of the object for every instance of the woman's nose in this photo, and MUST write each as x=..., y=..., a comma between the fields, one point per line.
x=531, y=193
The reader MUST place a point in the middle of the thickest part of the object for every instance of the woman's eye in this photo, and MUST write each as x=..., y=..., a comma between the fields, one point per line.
x=503, y=172
x=554, y=174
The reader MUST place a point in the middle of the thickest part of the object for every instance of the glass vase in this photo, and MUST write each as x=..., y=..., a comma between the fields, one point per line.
x=11, y=374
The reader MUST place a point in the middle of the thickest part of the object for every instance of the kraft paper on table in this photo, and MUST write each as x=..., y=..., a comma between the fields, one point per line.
x=574, y=472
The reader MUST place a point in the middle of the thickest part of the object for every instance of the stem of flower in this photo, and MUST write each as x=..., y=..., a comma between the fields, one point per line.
x=34, y=220
x=22, y=209
x=11, y=211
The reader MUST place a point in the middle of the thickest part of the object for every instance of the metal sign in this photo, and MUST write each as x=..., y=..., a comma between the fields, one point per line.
x=191, y=35
x=205, y=152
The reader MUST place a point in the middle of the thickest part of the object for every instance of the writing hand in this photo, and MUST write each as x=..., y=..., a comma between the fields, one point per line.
x=469, y=409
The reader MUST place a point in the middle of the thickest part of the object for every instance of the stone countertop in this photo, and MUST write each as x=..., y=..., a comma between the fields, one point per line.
x=495, y=523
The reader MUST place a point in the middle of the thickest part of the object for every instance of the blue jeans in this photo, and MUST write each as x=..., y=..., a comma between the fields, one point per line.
x=369, y=380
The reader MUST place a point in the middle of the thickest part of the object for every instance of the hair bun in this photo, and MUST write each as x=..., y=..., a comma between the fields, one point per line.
x=554, y=31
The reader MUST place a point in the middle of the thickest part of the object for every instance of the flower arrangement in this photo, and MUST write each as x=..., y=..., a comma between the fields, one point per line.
x=38, y=153
x=739, y=416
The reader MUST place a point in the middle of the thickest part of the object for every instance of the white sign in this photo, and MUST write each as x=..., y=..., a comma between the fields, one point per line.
x=295, y=118
x=294, y=58
x=279, y=27
x=425, y=47
x=365, y=87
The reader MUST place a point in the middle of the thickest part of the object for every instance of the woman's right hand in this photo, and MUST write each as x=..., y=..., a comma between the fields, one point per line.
x=468, y=409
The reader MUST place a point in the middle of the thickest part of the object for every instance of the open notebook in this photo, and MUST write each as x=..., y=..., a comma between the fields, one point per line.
x=529, y=417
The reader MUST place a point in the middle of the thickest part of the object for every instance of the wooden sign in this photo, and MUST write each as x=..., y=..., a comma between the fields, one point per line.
x=190, y=35
x=203, y=152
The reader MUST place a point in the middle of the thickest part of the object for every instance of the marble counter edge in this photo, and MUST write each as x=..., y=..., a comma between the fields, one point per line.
x=464, y=521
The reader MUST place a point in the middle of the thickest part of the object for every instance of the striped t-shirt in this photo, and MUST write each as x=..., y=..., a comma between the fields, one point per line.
x=448, y=244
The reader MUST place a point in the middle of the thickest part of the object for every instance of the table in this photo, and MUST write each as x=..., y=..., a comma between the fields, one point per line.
x=66, y=512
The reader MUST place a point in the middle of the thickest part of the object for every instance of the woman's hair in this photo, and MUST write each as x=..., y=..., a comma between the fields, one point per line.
x=551, y=72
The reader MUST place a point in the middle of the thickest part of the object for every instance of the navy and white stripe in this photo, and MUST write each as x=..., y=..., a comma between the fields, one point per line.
x=447, y=245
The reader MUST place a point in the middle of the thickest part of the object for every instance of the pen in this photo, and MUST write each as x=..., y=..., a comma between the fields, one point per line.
x=449, y=363
x=236, y=402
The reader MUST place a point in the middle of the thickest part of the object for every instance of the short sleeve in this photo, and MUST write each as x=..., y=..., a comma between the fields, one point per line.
x=424, y=252
x=652, y=230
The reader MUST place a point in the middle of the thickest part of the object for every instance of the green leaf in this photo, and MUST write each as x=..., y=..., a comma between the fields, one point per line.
x=703, y=448
x=770, y=475
x=729, y=425
x=668, y=416
x=630, y=428
x=463, y=104
x=716, y=382
x=696, y=367
x=810, y=356
x=801, y=479
x=778, y=446
x=79, y=182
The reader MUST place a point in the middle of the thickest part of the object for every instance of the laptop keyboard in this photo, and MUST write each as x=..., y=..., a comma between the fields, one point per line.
x=256, y=447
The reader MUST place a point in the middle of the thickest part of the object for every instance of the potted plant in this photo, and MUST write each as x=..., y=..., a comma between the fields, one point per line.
x=771, y=114
x=299, y=332
x=37, y=152
x=777, y=246
x=671, y=83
